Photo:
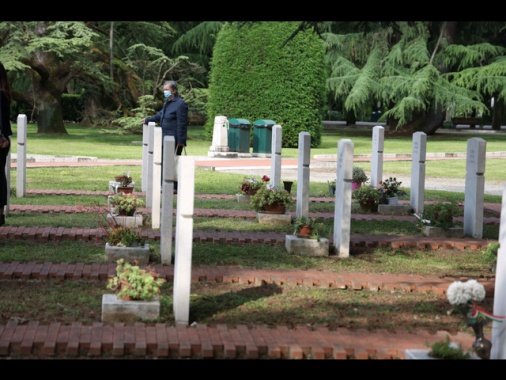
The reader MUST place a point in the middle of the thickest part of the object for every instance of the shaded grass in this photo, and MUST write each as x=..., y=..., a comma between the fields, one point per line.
x=49, y=301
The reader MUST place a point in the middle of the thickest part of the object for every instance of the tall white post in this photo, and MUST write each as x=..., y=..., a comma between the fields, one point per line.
x=342, y=212
x=419, y=152
x=184, y=239
x=144, y=171
x=303, y=174
x=21, y=163
x=169, y=176
x=378, y=143
x=276, y=156
x=151, y=144
x=499, y=328
x=157, y=178
x=475, y=187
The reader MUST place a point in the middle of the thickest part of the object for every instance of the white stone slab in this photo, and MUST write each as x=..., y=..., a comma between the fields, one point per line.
x=130, y=254
x=284, y=219
x=125, y=221
x=456, y=232
x=308, y=247
x=116, y=310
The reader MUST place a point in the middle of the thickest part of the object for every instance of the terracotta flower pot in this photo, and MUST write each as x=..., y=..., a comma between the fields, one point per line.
x=275, y=208
x=125, y=189
x=305, y=232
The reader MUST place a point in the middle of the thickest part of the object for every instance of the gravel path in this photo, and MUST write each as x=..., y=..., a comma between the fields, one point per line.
x=326, y=174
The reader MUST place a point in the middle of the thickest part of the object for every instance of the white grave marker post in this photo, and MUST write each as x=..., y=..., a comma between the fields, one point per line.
x=475, y=187
x=303, y=174
x=21, y=163
x=419, y=152
x=169, y=175
x=276, y=156
x=157, y=178
x=378, y=143
x=144, y=170
x=342, y=211
x=499, y=328
x=151, y=144
x=220, y=136
x=184, y=239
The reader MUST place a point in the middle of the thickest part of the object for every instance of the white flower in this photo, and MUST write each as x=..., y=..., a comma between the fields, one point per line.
x=456, y=293
x=462, y=292
x=477, y=290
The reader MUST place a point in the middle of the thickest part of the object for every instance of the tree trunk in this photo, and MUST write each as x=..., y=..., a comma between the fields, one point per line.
x=50, y=113
x=497, y=114
x=427, y=123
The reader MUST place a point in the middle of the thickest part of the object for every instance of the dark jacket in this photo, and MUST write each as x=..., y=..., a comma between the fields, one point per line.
x=173, y=118
x=5, y=116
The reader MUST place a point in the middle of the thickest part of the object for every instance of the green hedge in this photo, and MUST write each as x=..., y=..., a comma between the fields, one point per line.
x=253, y=77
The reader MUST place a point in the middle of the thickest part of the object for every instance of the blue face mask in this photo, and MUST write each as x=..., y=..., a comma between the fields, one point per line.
x=167, y=94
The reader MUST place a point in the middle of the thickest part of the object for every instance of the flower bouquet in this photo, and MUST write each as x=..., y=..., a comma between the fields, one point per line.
x=250, y=186
x=464, y=295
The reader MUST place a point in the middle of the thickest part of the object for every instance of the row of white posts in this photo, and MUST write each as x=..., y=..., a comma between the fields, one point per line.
x=473, y=204
x=185, y=172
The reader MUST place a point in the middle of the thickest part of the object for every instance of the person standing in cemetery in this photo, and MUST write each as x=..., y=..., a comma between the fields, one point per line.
x=5, y=133
x=172, y=118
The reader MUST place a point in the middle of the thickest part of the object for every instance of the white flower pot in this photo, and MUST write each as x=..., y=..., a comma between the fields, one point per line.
x=393, y=201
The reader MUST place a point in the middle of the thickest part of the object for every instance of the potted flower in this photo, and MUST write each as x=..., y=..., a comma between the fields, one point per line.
x=133, y=283
x=249, y=186
x=125, y=203
x=307, y=227
x=358, y=177
x=367, y=197
x=121, y=236
x=136, y=294
x=124, y=242
x=437, y=220
x=271, y=199
x=390, y=189
x=448, y=350
x=464, y=296
x=124, y=183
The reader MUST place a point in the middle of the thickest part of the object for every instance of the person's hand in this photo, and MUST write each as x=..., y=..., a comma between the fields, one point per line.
x=4, y=143
x=143, y=121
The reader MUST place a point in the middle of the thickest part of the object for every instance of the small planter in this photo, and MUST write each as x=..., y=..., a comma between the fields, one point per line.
x=393, y=201
x=130, y=254
x=288, y=185
x=275, y=208
x=125, y=189
x=305, y=232
x=453, y=232
x=116, y=310
x=355, y=185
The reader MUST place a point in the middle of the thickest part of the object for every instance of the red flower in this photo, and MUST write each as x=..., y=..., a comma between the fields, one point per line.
x=265, y=178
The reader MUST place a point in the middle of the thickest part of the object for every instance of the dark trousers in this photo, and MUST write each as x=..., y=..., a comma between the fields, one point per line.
x=3, y=178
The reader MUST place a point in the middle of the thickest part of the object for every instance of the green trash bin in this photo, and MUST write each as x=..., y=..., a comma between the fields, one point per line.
x=238, y=135
x=262, y=136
